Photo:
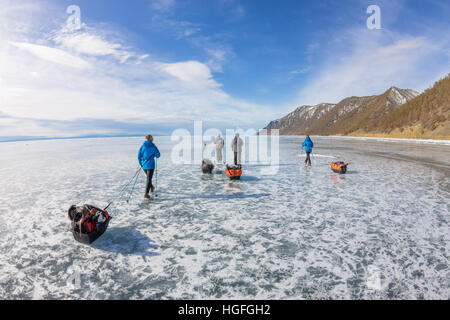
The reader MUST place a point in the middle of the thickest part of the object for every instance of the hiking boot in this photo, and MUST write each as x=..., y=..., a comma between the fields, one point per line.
x=152, y=189
x=146, y=196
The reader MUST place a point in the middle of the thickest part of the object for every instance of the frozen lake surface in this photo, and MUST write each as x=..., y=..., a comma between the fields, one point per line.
x=381, y=231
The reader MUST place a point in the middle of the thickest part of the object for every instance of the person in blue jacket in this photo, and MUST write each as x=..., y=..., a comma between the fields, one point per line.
x=146, y=158
x=308, y=145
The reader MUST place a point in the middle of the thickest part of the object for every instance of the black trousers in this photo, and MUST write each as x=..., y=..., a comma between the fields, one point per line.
x=149, y=174
x=235, y=159
x=308, y=158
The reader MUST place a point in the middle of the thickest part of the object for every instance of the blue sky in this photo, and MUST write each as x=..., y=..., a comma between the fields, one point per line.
x=160, y=64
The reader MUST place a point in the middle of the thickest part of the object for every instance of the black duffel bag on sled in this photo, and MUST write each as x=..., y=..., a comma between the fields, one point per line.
x=88, y=222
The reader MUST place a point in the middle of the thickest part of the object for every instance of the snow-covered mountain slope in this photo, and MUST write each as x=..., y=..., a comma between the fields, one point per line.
x=300, y=120
x=349, y=115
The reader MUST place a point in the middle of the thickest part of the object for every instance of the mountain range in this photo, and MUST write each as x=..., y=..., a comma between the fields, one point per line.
x=399, y=113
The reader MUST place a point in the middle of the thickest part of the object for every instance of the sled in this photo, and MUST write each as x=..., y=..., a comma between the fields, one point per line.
x=85, y=228
x=234, y=172
x=339, y=167
x=207, y=166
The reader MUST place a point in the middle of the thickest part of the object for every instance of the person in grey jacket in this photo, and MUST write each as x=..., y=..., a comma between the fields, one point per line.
x=219, y=147
x=236, y=146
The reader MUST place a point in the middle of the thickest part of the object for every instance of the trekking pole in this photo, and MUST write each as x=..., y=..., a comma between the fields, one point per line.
x=122, y=190
x=156, y=173
x=141, y=168
x=134, y=184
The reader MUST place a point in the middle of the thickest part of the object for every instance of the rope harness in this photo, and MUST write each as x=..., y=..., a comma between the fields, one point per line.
x=135, y=179
x=134, y=185
x=123, y=189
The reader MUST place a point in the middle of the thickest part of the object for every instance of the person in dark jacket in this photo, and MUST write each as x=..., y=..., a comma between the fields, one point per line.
x=146, y=157
x=308, y=145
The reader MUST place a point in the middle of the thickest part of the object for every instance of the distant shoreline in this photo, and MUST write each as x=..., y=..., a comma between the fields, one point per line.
x=373, y=138
x=444, y=141
x=392, y=139
x=24, y=139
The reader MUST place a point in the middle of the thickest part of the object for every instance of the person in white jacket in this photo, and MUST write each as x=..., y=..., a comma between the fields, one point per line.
x=219, y=147
x=236, y=146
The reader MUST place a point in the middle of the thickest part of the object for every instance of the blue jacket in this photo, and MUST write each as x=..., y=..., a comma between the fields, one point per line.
x=308, y=144
x=147, y=154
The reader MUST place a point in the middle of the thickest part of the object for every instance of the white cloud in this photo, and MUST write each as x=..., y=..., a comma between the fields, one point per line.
x=142, y=58
x=73, y=81
x=236, y=10
x=191, y=72
x=157, y=91
x=15, y=16
x=400, y=47
x=217, y=53
x=162, y=5
x=179, y=28
x=53, y=55
x=371, y=63
x=239, y=12
x=90, y=44
x=18, y=127
x=300, y=71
